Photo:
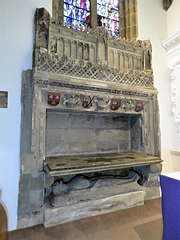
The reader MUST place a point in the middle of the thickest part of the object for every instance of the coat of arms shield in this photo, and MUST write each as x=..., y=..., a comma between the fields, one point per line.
x=53, y=98
x=87, y=102
x=139, y=106
x=115, y=104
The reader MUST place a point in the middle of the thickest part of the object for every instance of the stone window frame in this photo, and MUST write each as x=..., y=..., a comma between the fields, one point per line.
x=128, y=19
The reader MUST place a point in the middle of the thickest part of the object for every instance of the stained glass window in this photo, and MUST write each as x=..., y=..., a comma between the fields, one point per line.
x=78, y=13
x=108, y=15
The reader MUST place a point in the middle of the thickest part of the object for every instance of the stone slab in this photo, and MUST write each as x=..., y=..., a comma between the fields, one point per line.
x=54, y=216
x=31, y=193
x=65, y=165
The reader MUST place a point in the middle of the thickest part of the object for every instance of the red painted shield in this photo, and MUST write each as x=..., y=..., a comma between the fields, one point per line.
x=87, y=102
x=53, y=98
x=139, y=106
x=115, y=104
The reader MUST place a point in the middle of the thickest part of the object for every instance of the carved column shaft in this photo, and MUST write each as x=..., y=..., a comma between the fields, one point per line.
x=93, y=8
x=133, y=20
x=122, y=22
x=128, y=19
x=57, y=11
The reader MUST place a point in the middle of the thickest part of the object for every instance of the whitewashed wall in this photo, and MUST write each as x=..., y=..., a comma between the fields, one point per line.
x=16, y=44
x=173, y=28
x=173, y=18
x=153, y=25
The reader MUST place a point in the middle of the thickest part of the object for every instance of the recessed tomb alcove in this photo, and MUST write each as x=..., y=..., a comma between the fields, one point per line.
x=71, y=132
x=90, y=139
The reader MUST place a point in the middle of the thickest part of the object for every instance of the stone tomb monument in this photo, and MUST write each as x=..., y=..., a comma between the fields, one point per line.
x=90, y=125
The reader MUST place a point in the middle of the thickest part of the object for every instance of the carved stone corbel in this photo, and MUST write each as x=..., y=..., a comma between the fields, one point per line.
x=167, y=4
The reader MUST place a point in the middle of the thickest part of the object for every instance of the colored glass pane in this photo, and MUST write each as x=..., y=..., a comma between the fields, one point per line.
x=108, y=15
x=77, y=12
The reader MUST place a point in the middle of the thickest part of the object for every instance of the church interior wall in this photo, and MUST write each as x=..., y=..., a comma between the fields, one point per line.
x=16, y=44
x=173, y=19
x=152, y=21
x=173, y=27
x=16, y=47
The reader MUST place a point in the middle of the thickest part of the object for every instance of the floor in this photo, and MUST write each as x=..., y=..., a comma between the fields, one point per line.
x=139, y=223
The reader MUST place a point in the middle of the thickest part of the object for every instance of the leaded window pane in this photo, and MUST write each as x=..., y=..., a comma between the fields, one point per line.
x=78, y=13
x=108, y=15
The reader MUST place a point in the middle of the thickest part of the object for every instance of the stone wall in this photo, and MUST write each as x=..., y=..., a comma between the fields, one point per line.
x=71, y=133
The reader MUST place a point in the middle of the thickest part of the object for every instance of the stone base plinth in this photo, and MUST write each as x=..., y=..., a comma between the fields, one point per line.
x=55, y=216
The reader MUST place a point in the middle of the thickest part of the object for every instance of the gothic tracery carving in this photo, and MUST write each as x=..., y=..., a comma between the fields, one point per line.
x=175, y=94
x=72, y=67
x=172, y=46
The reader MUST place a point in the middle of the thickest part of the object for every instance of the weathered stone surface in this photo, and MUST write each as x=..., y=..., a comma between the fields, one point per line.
x=30, y=219
x=116, y=181
x=59, y=188
x=81, y=133
x=109, y=146
x=3, y=99
x=57, y=148
x=57, y=120
x=76, y=183
x=93, y=193
x=153, y=180
x=48, y=180
x=31, y=193
x=54, y=216
x=76, y=65
x=82, y=147
x=79, y=183
x=86, y=163
x=42, y=18
x=136, y=133
x=92, y=182
x=151, y=193
x=156, y=168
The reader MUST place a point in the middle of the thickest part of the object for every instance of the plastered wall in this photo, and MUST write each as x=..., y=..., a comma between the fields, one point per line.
x=16, y=44
x=173, y=18
x=153, y=25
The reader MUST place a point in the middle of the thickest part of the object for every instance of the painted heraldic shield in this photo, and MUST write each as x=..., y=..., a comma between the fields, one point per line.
x=53, y=98
x=115, y=104
x=139, y=106
x=86, y=102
